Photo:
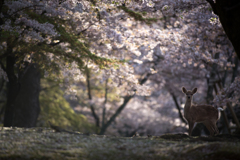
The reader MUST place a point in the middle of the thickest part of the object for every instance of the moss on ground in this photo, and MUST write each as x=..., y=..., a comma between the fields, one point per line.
x=44, y=143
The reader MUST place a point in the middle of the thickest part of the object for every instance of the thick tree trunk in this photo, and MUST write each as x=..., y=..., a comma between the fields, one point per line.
x=27, y=101
x=228, y=12
x=1, y=10
x=22, y=108
x=13, y=88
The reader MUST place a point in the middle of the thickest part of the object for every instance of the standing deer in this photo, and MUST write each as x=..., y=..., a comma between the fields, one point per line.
x=206, y=114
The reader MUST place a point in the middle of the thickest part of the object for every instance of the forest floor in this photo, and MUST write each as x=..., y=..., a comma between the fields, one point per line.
x=44, y=143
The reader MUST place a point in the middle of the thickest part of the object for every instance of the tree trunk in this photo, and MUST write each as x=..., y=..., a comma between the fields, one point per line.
x=105, y=102
x=1, y=10
x=13, y=88
x=228, y=12
x=27, y=101
x=22, y=108
x=178, y=108
x=95, y=116
x=113, y=117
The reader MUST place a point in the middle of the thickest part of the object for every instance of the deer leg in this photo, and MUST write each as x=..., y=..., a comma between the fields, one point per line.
x=215, y=128
x=209, y=127
x=190, y=124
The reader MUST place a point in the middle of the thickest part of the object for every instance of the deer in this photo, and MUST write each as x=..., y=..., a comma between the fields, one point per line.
x=206, y=114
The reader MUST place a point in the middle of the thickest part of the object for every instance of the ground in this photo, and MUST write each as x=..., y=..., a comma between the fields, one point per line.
x=45, y=143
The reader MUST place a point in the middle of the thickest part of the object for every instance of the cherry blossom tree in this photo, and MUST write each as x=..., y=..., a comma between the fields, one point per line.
x=150, y=61
x=140, y=49
x=31, y=32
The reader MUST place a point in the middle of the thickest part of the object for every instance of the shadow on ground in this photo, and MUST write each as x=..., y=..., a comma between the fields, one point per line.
x=45, y=143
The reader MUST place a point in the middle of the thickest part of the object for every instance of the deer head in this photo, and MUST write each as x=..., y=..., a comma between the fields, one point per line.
x=189, y=94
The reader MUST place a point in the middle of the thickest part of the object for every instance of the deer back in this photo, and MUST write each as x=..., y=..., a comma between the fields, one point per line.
x=201, y=113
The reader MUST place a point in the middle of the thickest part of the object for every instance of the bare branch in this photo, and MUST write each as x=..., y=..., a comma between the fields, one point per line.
x=25, y=8
x=178, y=107
x=104, y=104
x=85, y=29
x=119, y=110
x=90, y=97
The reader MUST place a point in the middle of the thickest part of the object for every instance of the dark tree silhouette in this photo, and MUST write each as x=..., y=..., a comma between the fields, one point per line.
x=228, y=12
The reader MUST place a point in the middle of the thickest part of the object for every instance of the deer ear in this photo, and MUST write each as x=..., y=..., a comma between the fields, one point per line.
x=184, y=90
x=194, y=90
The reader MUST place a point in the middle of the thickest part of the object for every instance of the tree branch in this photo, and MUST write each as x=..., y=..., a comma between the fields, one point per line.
x=95, y=116
x=119, y=110
x=85, y=29
x=104, y=104
x=126, y=100
x=178, y=107
x=235, y=69
x=24, y=9
x=142, y=81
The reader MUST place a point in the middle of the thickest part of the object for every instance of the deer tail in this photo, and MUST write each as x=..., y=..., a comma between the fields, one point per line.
x=219, y=109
